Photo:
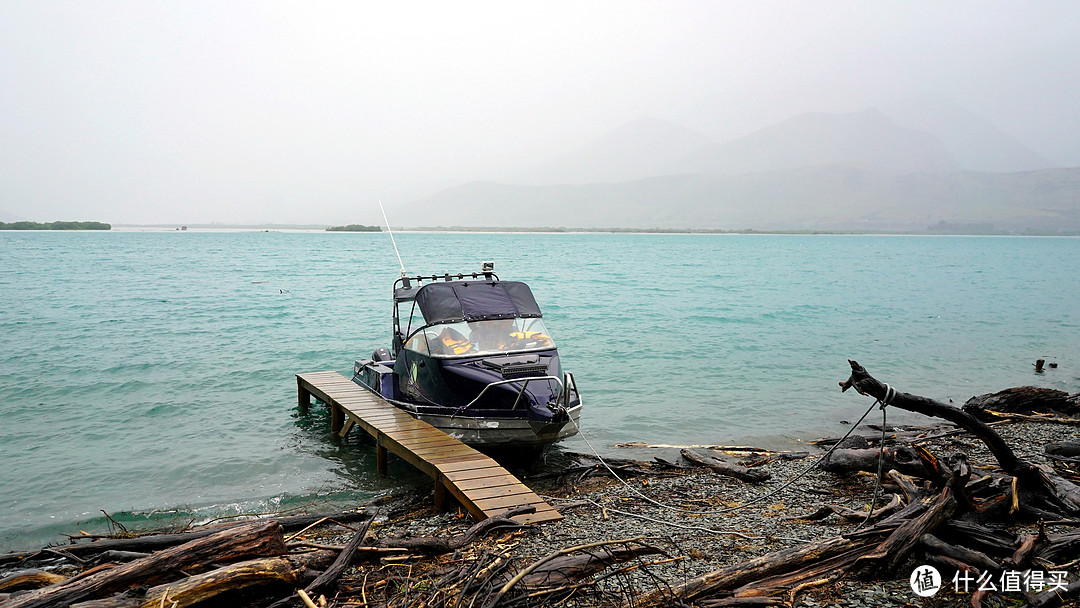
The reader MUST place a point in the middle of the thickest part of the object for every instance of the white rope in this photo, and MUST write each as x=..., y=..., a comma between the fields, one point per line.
x=675, y=525
x=729, y=509
x=889, y=394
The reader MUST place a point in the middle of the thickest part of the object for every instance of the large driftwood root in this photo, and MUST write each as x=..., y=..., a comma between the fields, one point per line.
x=924, y=525
x=1060, y=495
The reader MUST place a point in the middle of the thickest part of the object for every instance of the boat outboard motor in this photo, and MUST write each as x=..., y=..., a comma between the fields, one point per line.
x=382, y=354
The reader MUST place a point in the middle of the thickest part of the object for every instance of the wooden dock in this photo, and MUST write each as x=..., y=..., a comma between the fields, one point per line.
x=479, y=483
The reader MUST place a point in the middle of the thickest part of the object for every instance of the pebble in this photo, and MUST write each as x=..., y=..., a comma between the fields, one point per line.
x=714, y=535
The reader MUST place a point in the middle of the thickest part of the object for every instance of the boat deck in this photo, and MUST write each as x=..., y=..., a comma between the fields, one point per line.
x=479, y=483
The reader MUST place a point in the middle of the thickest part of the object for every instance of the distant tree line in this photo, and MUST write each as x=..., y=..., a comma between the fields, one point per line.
x=354, y=228
x=55, y=226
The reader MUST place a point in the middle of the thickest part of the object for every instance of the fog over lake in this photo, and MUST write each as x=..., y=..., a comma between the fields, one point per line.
x=279, y=112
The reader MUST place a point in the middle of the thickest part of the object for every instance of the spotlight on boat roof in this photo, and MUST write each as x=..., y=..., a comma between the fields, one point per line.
x=487, y=266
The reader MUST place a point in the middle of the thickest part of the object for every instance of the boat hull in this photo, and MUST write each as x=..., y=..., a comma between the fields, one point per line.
x=501, y=433
x=495, y=430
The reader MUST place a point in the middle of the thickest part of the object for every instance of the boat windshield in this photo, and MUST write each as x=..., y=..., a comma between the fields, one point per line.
x=480, y=338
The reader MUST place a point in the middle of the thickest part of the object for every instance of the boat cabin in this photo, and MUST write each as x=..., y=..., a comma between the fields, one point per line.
x=454, y=336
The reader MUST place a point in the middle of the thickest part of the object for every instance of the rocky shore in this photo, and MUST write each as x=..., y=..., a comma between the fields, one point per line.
x=661, y=519
x=717, y=534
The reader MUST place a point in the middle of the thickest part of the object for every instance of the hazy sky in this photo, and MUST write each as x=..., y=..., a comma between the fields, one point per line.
x=151, y=112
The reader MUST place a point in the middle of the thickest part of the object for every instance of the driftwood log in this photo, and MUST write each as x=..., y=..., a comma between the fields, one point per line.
x=261, y=538
x=899, y=458
x=289, y=569
x=156, y=542
x=1067, y=449
x=572, y=566
x=892, y=505
x=584, y=466
x=932, y=524
x=1053, y=598
x=560, y=567
x=960, y=553
x=1022, y=400
x=1060, y=495
x=725, y=465
x=341, y=562
x=29, y=579
x=438, y=546
x=239, y=558
x=744, y=573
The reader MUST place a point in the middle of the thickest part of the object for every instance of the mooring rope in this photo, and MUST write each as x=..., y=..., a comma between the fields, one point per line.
x=890, y=393
x=798, y=476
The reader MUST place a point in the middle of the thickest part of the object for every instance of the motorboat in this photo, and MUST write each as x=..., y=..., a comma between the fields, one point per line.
x=471, y=356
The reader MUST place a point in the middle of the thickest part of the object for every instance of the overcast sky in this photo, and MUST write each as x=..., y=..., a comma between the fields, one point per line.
x=188, y=112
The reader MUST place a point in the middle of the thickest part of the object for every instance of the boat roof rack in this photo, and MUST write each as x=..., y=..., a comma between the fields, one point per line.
x=406, y=282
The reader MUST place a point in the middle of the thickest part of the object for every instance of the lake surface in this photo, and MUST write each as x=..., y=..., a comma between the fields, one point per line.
x=151, y=374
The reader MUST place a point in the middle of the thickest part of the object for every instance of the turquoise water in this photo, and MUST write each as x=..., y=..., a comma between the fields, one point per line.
x=150, y=374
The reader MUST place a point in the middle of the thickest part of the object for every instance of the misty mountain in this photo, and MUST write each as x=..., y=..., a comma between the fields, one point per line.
x=925, y=136
x=830, y=197
x=646, y=147
x=973, y=141
x=830, y=171
x=820, y=138
x=651, y=147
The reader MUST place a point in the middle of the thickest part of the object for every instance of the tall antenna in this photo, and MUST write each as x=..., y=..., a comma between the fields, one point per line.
x=391, y=232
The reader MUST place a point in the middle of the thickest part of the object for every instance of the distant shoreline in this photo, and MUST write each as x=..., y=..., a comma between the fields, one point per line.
x=55, y=226
x=957, y=231
x=744, y=231
x=354, y=228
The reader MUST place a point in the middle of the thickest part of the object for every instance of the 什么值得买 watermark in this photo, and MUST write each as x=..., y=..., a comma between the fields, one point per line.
x=926, y=581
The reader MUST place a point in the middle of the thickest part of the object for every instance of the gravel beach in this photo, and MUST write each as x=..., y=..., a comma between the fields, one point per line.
x=697, y=521
x=681, y=522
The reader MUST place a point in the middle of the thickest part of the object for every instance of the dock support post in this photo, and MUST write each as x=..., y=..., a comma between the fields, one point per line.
x=303, y=397
x=337, y=418
x=380, y=455
x=440, y=493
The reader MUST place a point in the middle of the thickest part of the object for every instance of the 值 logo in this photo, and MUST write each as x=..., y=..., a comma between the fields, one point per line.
x=925, y=581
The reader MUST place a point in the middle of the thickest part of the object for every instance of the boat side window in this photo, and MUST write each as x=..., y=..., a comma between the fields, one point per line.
x=409, y=316
x=418, y=342
x=449, y=340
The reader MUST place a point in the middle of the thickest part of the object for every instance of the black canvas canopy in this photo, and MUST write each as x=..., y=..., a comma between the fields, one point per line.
x=455, y=301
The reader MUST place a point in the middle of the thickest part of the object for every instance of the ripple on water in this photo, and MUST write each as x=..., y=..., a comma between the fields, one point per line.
x=152, y=373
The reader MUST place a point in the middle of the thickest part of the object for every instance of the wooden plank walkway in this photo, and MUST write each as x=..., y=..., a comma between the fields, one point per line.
x=479, y=483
